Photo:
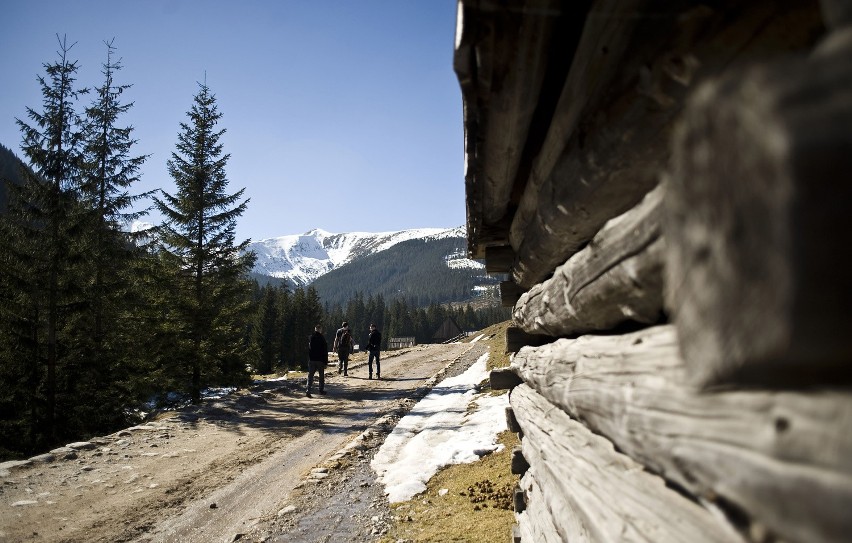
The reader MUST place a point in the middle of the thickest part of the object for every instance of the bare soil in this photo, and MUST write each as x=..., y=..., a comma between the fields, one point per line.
x=265, y=464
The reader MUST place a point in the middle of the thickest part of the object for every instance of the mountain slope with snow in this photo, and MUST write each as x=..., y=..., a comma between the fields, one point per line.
x=302, y=258
x=420, y=271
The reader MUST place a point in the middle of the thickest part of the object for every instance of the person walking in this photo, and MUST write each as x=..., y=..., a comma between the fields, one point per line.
x=343, y=346
x=317, y=359
x=374, y=343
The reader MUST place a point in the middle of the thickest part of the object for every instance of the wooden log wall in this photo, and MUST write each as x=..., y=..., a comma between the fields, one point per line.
x=750, y=453
x=597, y=493
x=684, y=162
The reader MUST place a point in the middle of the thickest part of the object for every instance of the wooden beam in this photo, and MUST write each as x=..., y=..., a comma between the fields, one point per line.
x=601, y=494
x=609, y=139
x=519, y=464
x=519, y=500
x=504, y=55
x=510, y=293
x=517, y=47
x=617, y=278
x=511, y=421
x=503, y=379
x=754, y=453
x=760, y=224
x=499, y=259
x=517, y=338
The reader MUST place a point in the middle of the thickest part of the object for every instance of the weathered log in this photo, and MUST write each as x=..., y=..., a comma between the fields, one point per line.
x=759, y=208
x=782, y=459
x=537, y=522
x=517, y=338
x=610, y=134
x=618, y=277
x=598, y=494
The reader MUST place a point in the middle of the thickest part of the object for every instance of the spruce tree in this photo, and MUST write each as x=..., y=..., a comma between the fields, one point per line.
x=107, y=356
x=286, y=327
x=199, y=236
x=267, y=329
x=42, y=254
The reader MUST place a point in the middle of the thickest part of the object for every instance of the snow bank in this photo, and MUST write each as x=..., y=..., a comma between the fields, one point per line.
x=440, y=431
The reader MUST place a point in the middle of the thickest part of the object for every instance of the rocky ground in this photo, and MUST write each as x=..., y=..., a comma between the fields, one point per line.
x=266, y=464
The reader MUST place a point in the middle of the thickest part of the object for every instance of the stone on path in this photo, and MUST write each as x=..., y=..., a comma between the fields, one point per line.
x=287, y=510
x=81, y=445
x=7, y=467
x=46, y=457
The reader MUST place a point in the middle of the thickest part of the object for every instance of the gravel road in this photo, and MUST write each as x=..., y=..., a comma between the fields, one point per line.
x=266, y=464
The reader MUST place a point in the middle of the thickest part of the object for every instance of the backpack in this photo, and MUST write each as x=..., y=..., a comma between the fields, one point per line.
x=345, y=341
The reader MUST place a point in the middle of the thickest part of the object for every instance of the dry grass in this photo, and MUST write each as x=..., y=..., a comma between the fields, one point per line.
x=477, y=506
x=495, y=338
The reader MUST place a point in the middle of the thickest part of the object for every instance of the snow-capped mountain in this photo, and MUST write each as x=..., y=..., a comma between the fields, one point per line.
x=302, y=258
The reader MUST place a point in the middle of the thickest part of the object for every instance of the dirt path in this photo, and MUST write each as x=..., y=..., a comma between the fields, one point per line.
x=231, y=469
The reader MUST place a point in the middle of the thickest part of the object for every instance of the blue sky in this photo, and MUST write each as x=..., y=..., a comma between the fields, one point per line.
x=341, y=115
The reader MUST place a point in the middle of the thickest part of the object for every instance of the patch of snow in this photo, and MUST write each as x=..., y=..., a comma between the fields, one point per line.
x=270, y=380
x=440, y=431
x=217, y=393
x=140, y=226
x=465, y=264
x=458, y=261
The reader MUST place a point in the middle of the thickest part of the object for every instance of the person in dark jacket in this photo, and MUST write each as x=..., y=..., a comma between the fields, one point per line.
x=374, y=344
x=317, y=359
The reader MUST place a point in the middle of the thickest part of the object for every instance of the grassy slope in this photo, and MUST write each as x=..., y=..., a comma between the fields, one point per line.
x=478, y=504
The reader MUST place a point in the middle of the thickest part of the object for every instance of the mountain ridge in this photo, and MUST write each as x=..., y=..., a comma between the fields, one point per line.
x=300, y=259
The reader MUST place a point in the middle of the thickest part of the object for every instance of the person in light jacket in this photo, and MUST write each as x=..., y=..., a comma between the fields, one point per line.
x=317, y=359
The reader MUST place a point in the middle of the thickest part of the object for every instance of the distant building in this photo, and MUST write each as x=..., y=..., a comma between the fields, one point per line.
x=400, y=342
x=448, y=331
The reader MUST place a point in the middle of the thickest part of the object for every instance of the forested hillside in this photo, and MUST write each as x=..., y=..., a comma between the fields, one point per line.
x=10, y=171
x=416, y=271
x=91, y=324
